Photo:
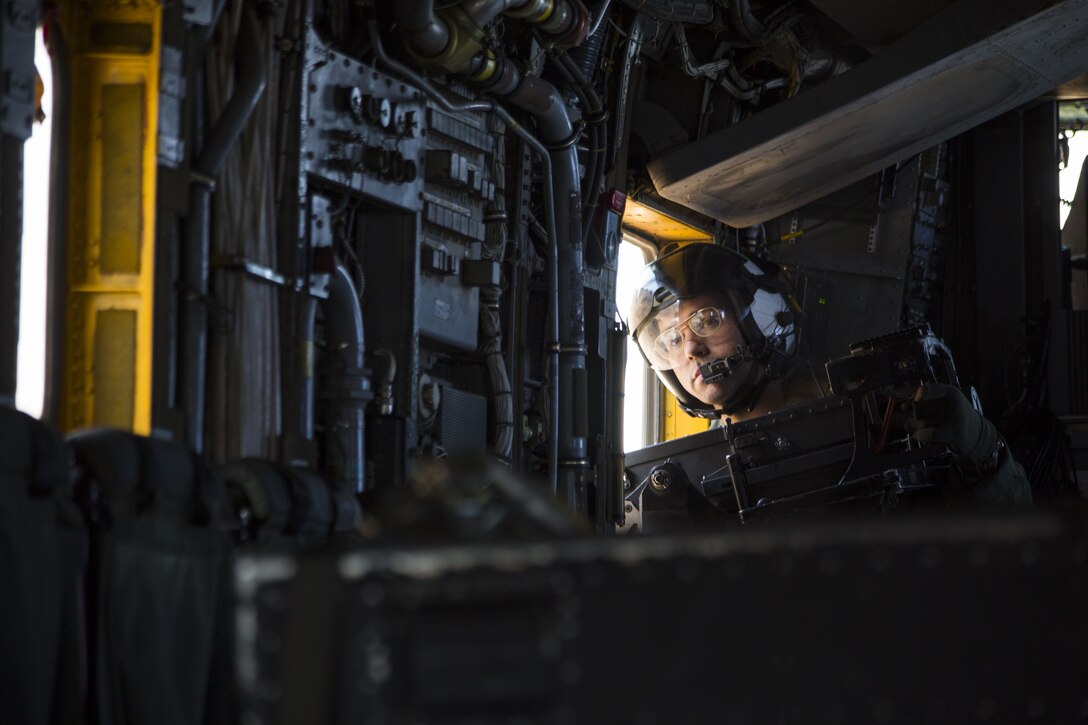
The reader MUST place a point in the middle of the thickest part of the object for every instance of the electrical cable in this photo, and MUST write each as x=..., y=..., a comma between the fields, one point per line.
x=494, y=249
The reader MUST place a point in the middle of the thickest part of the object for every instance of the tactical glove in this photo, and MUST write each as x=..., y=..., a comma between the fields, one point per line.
x=941, y=414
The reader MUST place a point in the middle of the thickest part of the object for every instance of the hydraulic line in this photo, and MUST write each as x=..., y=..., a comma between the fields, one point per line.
x=598, y=132
x=347, y=387
x=250, y=79
x=543, y=101
x=718, y=71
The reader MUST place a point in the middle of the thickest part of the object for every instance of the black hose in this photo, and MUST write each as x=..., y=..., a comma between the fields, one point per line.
x=426, y=32
x=250, y=79
x=598, y=133
x=586, y=55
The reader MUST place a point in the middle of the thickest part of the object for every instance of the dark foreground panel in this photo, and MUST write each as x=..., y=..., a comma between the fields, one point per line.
x=950, y=619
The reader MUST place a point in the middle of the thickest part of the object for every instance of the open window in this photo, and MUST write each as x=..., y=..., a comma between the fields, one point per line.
x=30, y=375
x=641, y=390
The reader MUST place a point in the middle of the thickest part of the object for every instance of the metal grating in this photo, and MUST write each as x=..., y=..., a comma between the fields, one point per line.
x=463, y=422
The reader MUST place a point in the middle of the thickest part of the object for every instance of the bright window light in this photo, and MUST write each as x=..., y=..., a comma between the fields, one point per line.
x=1069, y=177
x=637, y=431
x=30, y=385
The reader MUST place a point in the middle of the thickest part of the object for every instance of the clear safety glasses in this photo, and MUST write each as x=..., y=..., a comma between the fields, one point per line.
x=666, y=345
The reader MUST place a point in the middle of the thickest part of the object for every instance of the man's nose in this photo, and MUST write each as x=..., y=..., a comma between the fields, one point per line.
x=694, y=346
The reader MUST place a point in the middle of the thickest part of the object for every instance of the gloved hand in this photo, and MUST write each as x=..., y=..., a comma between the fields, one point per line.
x=941, y=414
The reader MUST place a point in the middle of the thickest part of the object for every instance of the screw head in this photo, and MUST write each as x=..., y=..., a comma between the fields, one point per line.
x=660, y=480
x=356, y=104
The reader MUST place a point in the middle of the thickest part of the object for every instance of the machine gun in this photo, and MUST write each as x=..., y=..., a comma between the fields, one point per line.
x=848, y=448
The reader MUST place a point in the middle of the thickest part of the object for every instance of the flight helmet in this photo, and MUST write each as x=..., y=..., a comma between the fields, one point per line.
x=759, y=305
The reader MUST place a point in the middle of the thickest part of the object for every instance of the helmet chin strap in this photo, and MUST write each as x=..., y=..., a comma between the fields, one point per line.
x=721, y=368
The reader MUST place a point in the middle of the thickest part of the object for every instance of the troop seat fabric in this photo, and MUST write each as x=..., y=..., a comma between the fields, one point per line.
x=158, y=581
x=42, y=545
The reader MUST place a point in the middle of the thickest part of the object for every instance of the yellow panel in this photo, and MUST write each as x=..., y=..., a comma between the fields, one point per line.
x=676, y=423
x=103, y=377
x=653, y=224
x=120, y=178
x=114, y=66
x=114, y=371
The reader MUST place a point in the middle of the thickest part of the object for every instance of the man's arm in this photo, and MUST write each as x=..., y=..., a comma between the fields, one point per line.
x=941, y=414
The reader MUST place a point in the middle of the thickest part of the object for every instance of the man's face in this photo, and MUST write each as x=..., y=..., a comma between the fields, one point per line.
x=695, y=351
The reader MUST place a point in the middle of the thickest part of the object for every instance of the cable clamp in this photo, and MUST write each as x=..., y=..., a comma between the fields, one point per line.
x=568, y=349
x=203, y=179
x=599, y=117
x=569, y=141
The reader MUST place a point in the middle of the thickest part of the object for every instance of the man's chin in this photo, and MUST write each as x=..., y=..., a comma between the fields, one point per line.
x=712, y=393
x=720, y=393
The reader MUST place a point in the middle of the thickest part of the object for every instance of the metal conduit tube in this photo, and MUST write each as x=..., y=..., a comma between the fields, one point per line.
x=483, y=12
x=551, y=15
x=539, y=149
x=250, y=79
x=594, y=114
x=348, y=385
x=426, y=32
x=691, y=66
x=300, y=412
x=542, y=100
